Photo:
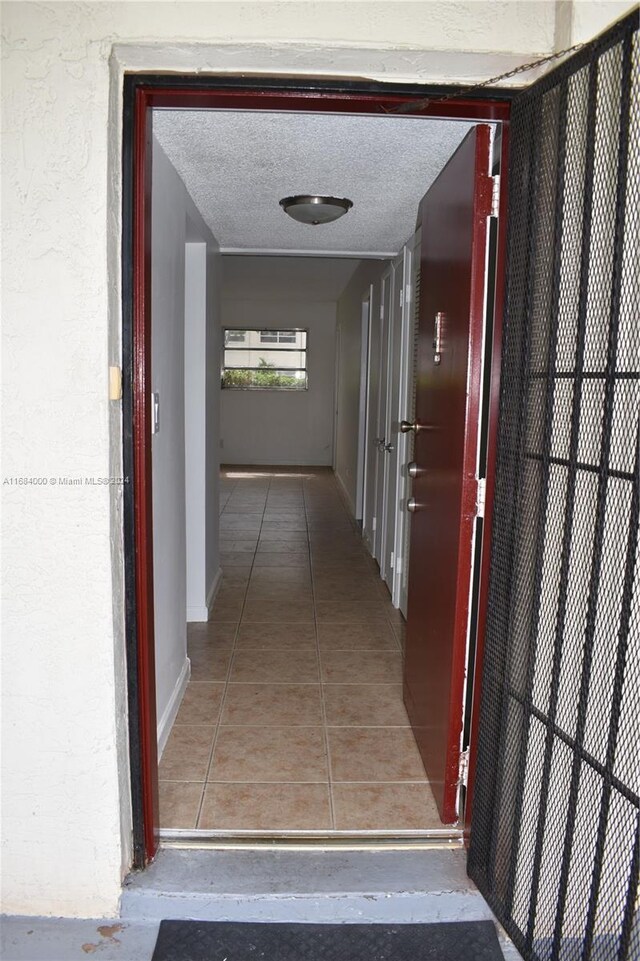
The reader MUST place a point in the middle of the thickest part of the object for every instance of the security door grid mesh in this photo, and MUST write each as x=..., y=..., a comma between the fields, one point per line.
x=555, y=838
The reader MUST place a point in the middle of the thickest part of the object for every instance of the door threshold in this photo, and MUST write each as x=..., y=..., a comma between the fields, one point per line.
x=437, y=838
x=314, y=885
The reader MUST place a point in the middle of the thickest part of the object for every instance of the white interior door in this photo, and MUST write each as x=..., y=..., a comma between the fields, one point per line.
x=371, y=433
x=383, y=401
x=391, y=450
x=363, y=405
x=406, y=412
x=334, y=455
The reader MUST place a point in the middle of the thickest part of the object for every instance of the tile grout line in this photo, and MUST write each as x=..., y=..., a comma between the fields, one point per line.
x=301, y=727
x=414, y=780
x=228, y=675
x=217, y=727
x=323, y=707
x=306, y=650
x=314, y=502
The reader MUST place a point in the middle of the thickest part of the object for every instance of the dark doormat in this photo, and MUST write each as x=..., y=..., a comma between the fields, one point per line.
x=232, y=941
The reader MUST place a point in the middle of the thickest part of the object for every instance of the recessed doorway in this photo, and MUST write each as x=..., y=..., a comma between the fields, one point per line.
x=365, y=626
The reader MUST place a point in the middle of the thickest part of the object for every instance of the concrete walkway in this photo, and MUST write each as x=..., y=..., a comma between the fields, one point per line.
x=65, y=939
x=249, y=885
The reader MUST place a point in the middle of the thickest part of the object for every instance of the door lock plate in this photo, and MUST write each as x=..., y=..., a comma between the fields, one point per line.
x=437, y=336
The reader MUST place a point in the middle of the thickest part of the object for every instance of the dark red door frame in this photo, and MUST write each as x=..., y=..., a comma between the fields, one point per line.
x=492, y=442
x=141, y=94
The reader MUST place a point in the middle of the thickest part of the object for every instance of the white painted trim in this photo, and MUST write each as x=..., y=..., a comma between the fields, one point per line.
x=285, y=252
x=371, y=61
x=336, y=390
x=196, y=295
x=365, y=350
x=173, y=706
x=201, y=615
x=215, y=587
x=409, y=328
x=393, y=477
x=345, y=494
x=384, y=400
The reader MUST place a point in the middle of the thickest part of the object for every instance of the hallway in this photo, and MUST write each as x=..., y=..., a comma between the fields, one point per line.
x=293, y=719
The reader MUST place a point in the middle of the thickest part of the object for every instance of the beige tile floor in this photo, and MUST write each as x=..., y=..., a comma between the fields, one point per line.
x=293, y=719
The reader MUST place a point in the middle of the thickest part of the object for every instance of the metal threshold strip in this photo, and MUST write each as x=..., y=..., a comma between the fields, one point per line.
x=437, y=838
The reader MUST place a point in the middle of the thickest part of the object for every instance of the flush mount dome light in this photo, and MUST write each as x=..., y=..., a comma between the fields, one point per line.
x=311, y=209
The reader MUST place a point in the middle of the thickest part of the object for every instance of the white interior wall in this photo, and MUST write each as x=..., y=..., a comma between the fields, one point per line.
x=66, y=848
x=175, y=220
x=203, y=284
x=202, y=423
x=287, y=427
x=195, y=410
x=349, y=319
x=213, y=570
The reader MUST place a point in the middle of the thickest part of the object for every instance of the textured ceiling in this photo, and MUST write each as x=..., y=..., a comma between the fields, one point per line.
x=237, y=166
x=291, y=278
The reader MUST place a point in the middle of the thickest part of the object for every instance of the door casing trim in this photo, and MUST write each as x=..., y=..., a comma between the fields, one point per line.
x=142, y=92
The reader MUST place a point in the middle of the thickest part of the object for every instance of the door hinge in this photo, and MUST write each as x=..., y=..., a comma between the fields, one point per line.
x=463, y=768
x=495, y=196
x=155, y=412
x=399, y=566
x=381, y=311
x=391, y=561
x=481, y=496
x=373, y=523
x=407, y=295
x=401, y=297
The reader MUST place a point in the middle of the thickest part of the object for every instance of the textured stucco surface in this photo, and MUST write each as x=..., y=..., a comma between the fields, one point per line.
x=65, y=808
x=64, y=841
x=305, y=278
x=238, y=165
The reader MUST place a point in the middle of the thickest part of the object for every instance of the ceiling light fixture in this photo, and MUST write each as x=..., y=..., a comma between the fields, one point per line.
x=311, y=209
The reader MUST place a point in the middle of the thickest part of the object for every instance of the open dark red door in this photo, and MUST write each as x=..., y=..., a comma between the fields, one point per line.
x=454, y=219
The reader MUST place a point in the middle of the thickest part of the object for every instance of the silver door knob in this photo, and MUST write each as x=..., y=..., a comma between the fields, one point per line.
x=406, y=426
x=412, y=505
x=413, y=470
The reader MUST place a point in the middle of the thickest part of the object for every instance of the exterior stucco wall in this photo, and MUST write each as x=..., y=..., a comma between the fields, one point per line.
x=591, y=17
x=66, y=816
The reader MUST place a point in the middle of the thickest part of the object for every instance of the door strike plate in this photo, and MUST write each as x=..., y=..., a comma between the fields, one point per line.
x=437, y=337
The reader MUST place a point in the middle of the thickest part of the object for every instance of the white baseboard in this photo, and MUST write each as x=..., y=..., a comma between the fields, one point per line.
x=345, y=493
x=213, y=590
x=197, y=614
x=201, y=614
x=172, y=708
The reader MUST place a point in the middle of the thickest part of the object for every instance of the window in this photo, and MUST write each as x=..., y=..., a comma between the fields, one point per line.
x=277, y=336
x=265, y=359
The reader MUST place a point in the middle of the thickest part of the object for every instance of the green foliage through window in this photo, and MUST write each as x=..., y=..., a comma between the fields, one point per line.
x=267, y=359
x=266, y=377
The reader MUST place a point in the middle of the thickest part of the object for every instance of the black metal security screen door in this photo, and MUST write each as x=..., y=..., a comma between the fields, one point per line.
x=555, y=836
